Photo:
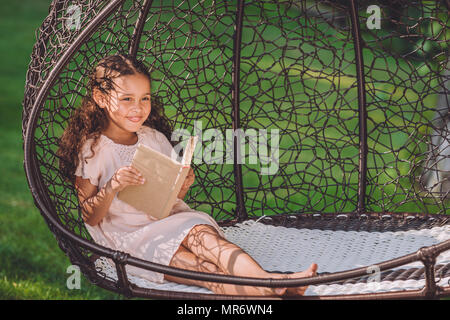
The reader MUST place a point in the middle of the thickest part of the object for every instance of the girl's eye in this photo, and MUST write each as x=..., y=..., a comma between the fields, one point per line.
x=146, y=98
x=126, y=99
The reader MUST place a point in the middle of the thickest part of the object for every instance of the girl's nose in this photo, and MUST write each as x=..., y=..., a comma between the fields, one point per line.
x=137, y=107
x=141, y=104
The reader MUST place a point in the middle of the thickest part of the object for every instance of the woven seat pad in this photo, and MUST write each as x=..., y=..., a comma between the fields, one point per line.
x=283, y=249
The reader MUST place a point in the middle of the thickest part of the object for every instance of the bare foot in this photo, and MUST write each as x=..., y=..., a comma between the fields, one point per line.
x=310, y=272
x=290, y=291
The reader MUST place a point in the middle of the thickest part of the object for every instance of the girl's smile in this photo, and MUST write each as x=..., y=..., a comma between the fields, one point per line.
x=134, y=119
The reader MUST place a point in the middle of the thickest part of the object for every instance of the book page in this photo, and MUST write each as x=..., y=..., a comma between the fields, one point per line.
x=189, y=152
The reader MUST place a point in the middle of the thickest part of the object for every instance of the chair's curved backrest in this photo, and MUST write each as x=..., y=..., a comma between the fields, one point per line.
x=338, y=110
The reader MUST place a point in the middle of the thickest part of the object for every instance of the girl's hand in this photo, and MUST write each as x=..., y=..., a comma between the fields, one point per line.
x=187, y=183
x=189, y=179
x=125, y=176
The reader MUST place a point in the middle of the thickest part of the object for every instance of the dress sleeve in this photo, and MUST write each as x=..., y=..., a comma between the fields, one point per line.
x=89, y=168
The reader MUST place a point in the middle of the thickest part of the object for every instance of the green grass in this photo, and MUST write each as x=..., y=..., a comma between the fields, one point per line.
x=32, y=266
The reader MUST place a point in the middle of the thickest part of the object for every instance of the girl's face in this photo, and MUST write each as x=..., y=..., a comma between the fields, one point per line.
x=128, y=106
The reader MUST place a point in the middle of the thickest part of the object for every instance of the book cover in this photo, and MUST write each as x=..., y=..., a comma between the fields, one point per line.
x=164, y=178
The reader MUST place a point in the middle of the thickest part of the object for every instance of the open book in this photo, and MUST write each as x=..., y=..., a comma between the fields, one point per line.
x=164, y=178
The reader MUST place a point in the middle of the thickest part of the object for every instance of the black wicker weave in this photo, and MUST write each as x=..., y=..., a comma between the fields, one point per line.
x=358, y=111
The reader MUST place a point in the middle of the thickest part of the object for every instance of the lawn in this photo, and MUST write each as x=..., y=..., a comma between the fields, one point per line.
x=32, y=266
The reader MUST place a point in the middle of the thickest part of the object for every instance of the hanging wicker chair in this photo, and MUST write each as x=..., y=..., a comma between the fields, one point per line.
x=354, y=107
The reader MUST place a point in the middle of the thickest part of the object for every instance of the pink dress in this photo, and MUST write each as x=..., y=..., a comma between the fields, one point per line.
x=125, y=228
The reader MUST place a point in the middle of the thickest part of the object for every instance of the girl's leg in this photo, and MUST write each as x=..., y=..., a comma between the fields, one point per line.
x=185, y=259
x=205, y=242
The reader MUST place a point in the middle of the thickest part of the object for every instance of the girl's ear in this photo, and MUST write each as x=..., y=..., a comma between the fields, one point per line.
x=99, y=98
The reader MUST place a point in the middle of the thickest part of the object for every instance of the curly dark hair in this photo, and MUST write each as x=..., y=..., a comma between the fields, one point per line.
x=89, y=120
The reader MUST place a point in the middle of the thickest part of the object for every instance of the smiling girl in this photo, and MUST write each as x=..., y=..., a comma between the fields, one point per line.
x=95, y=154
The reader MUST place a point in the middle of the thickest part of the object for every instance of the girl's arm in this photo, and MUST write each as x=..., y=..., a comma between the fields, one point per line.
x=95, y=203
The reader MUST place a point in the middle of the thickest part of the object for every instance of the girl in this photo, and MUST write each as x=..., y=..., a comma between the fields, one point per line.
x=96, y=151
